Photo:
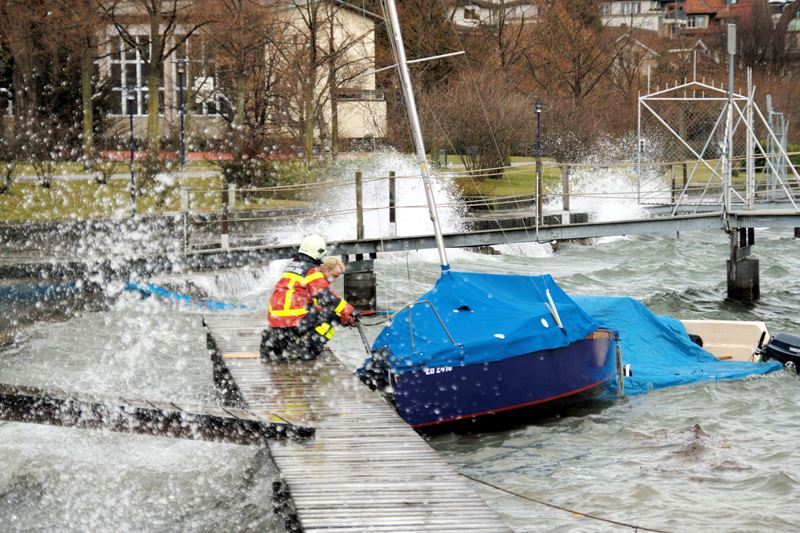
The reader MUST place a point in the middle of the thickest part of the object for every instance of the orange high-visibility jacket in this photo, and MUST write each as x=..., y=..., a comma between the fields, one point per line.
x=301, y=288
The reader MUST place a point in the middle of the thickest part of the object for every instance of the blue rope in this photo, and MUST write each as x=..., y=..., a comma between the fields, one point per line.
x=147, y=289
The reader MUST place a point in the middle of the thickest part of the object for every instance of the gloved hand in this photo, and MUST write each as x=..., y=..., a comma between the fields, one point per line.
x=351, y=319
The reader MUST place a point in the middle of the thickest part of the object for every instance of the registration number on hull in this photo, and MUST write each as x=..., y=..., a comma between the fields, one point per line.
x=438, y=370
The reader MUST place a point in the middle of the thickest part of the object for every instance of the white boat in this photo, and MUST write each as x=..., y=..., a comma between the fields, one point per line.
x=729, y=340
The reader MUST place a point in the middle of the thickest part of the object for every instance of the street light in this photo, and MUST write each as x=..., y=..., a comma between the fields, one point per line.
x=539, y=199
x=180, y=65
x=131, y=103
x=538, y=128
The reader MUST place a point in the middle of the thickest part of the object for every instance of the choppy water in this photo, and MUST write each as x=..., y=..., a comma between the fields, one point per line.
x=716, y=456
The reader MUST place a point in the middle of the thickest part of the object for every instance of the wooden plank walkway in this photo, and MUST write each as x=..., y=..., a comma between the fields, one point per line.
x=365, y=469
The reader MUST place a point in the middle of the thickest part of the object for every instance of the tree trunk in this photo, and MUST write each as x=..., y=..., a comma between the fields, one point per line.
x=86, y=101
x=310, y=84
x=153, y=79
x=238, y=118
x=332, y=92
x=308, y=133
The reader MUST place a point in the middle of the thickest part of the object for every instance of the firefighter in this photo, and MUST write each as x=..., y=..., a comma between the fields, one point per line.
x=304, y=309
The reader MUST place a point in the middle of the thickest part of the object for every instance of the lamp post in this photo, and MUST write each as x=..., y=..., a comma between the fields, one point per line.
x=538, y=154
x=180, y=65
x=131, y=103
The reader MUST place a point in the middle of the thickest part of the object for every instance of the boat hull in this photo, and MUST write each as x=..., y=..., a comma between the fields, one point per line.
x=508, y=391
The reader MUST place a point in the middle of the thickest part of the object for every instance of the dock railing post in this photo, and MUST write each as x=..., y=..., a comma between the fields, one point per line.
x=232, y=196
x=672, y=190
x=359, y=207
x=392, y=204
x=565, y=218
x=225, y=237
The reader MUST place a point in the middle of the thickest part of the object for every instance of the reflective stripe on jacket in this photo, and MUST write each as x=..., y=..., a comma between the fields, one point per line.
x=302, y=287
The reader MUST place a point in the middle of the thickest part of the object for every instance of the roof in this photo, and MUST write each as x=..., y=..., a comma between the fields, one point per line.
x=653, y=43
x=348, y=5
x=698, y=7
x=488, y=4
x=720, y=8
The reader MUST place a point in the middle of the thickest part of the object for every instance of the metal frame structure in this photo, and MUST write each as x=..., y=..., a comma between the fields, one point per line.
x=737, y=114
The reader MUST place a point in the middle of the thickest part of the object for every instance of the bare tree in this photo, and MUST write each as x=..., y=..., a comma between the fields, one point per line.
x=76, y=23
x=163, y=18
x=237, y=43
x=509, y=35
x=573, y=49
x=347, y=62
x=9, y=158
x=629, y=70
x=759, y=44
x=482, y=118
x=309, y=59
x=20, y=28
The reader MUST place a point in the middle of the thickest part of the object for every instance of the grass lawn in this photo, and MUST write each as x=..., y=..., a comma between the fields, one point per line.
x=84, y=199
x=114, y=167
x=514, y=182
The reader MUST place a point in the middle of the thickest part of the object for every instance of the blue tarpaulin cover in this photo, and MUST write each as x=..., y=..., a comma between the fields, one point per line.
x=659, y=349
x=489, y=317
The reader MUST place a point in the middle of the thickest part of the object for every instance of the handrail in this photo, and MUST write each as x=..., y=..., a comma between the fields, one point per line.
x=438, y=317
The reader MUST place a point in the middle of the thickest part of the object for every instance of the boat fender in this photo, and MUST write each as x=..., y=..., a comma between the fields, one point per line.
x=697, y=339
x=375, y=370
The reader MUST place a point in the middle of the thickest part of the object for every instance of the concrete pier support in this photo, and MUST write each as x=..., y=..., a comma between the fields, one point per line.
x=743, y=271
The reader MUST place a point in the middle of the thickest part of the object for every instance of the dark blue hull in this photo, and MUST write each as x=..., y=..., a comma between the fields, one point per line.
x=510, y=390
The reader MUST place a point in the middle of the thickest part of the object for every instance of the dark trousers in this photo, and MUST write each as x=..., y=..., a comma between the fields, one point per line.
x=300, y=342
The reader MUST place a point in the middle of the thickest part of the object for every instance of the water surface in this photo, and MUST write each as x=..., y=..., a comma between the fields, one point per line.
x=714, y=456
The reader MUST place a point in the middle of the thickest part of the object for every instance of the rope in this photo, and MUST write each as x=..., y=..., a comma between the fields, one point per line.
x=451, y=173
x=560, y=508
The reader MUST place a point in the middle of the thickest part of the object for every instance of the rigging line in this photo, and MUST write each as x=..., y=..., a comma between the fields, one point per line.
x=486, y=117
x=477, y=90
x=475, y=85
x=467, y=174
x=471, y=176
x=491, y=131
x=560, y=508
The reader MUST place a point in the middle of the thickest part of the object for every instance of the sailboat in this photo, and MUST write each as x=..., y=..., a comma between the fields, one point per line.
x=484, y=350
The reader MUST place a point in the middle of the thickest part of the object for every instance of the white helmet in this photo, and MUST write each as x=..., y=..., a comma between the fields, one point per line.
x=313, y=246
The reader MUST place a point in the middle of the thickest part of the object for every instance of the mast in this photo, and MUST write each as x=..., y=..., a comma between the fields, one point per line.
x=413, y=119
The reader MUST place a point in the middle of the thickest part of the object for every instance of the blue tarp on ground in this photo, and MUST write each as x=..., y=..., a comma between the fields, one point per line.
x=489, y=316
x=658, y=348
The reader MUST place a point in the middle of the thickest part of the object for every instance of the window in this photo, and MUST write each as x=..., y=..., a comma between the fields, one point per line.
x=203, y=80
x=605, y=9
x=631, y=8
x=129, y=70
x=6, y=96
x=471, y=13
x=696, y=21
x=6, y=102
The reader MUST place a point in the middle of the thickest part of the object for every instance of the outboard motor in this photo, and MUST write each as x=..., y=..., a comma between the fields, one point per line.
x=784, y=348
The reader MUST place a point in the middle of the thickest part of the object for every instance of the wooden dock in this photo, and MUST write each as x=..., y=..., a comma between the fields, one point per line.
x=365, y=469
x=70, y=409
